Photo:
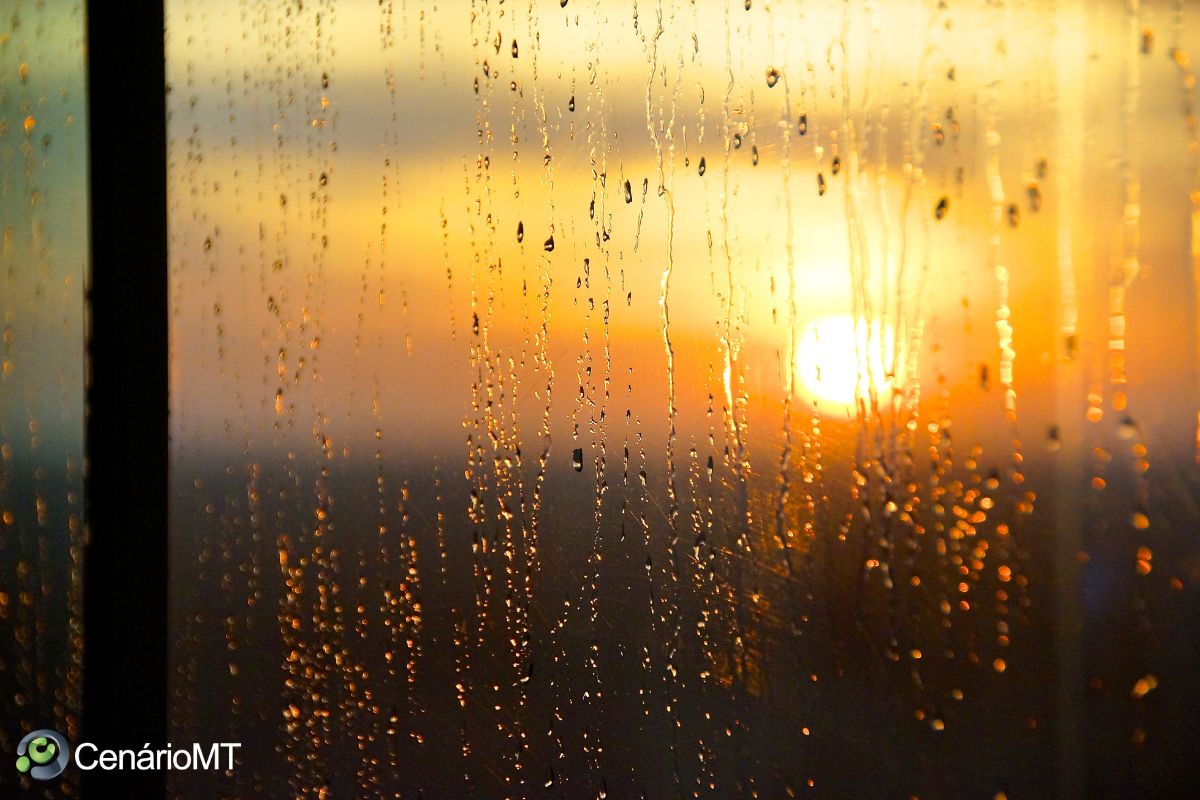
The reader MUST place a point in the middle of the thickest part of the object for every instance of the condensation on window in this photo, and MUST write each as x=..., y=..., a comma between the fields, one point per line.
x=43, y=261
x=668, y=399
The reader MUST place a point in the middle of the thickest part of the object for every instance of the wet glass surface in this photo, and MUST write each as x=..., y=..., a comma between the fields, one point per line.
x=657, y=399
x=43, y=267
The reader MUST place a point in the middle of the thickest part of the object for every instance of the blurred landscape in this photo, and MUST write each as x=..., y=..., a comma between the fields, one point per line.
x=584, y=399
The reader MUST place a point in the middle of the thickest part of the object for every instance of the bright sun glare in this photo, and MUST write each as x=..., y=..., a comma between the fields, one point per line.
x=836, y=352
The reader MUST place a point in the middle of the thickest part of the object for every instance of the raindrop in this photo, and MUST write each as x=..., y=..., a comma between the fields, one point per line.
x=702, y=167
x=1035, y=197
x=1053, y=439
x=577, y=459
x=820, y=184
x=1127, y=428
x=940, y=210
x=1014, y=215
x=323, y=180
x=737, y=141
x=803, y=125
x=837, y=165
x=514, y=48
x=628, y=192
x=1147, y=41
x=571, y=104
x=207, y=244
x=993, y=479
x=754, y=155
x=549, y=245
x=520, y=232
x=772, y=77
x=747, y=5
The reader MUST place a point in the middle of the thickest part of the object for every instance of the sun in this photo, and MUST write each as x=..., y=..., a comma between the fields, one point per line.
x=839, y=356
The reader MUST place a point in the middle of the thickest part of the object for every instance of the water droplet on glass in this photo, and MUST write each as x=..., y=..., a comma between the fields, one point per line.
x=772, y=77
x=837, y=165
x=514, y=48
x=520, y=232
x=1053, y=439
x=702, y=167
x=1035, y=197
x=577, y=459
x=571, y=104
x=628, y=192
x=802, y=126
x=549, y=245
x=754, y=155
x=942, y=207
x=1014, y=215
x=820, y=184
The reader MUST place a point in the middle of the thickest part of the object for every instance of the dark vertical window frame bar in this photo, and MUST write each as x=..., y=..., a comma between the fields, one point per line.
x=125, y=567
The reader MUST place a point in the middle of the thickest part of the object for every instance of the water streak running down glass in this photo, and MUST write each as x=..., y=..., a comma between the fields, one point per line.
x=667, y=399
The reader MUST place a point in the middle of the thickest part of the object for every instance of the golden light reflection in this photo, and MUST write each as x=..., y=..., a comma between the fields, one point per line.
x=841, y=358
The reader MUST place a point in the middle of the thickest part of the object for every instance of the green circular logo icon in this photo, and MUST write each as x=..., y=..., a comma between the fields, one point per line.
x=43, y=755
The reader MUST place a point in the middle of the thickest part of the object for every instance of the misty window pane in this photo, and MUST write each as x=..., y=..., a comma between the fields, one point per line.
x=723, y=399
x=43, y=263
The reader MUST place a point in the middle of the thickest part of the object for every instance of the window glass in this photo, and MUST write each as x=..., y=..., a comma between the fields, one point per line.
x=663, y=399
x=43, y=266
